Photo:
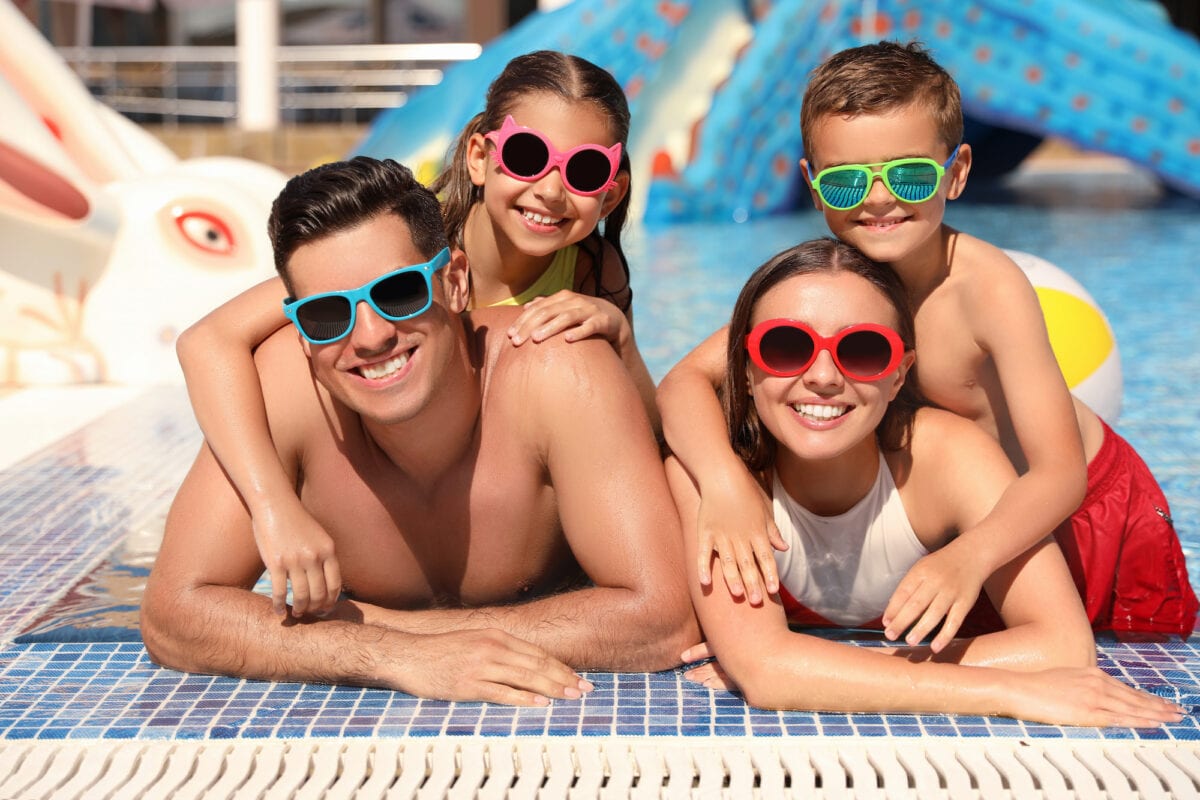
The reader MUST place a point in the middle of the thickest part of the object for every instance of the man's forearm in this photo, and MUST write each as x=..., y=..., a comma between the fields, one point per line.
x=597, y=628
x=231, y=631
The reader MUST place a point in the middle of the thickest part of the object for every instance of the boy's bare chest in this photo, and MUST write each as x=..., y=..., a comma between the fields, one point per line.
x=953, y=370
x=484, y=533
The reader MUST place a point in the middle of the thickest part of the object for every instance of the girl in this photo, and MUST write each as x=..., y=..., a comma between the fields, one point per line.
x=864, y=482
x=533, y=179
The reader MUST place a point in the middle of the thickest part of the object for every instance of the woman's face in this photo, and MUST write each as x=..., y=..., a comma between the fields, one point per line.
x=821, y=413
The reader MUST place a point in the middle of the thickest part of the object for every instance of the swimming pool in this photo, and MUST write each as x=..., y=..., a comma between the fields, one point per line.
x=96, y=499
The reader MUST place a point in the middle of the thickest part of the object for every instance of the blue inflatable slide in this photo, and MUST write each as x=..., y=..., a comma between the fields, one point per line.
x=715, y=86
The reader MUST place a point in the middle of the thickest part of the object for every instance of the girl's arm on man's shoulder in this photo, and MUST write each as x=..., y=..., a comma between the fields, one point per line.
x=217, y=355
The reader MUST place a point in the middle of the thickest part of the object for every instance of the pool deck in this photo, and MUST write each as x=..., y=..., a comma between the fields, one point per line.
x=66, y=506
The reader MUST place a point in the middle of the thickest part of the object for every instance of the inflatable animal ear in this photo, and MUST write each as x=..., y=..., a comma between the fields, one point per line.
x=112, y=244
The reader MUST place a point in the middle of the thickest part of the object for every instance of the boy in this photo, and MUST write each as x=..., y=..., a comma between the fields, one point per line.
x=883, y=153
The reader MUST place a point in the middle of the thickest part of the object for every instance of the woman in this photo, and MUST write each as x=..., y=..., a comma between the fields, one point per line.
x=865, y=481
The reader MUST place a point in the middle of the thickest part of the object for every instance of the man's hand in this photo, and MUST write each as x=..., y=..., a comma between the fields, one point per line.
x=943, y=584
x=487, y=665
x=737, y=521
x=296, y=549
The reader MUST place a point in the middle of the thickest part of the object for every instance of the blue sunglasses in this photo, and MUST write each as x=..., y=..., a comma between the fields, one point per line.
x=401, y=294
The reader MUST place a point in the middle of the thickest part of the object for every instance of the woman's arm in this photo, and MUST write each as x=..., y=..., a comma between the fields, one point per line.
x=735, y=516
x=217, y=356
x=777, y=668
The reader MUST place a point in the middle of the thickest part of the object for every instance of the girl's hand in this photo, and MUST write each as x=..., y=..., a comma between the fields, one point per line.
x=575, y=316
x=296, y=548
x=736, y=520
x=710, y=674
x=944, y=584
x=1087, y=696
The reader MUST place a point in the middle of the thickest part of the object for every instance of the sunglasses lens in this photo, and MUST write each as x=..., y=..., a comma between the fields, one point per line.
x=325, y=318
x=843, y=188
x=401, y=295
x=913, y=181
x=587, y=170
x=865, y=354
x=524, y=154
x=786, y=349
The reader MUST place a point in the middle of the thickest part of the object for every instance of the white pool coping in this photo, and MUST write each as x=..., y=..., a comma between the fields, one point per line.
x=36, y=417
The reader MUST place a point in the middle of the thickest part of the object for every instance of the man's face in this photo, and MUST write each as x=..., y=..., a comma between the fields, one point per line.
x=386, y=371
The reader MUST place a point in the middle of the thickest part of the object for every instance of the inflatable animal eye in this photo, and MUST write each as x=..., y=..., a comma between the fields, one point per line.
x=205, y=231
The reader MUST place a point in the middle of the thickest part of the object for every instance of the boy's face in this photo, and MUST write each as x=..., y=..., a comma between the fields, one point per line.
x=884, y=227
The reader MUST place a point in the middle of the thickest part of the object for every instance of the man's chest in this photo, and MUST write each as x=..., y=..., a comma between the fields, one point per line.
x=478, y=536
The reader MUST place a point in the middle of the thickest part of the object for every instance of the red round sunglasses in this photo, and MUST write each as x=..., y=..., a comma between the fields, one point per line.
x=527, y=155
x=787, y=347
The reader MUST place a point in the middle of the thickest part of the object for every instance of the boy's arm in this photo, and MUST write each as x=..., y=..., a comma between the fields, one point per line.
x=1008, y=324
x=735, y=516
x=956, y=474
x=217, y=356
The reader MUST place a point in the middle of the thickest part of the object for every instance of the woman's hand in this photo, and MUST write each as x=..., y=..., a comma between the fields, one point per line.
x=1087, y=696
x=709, y=674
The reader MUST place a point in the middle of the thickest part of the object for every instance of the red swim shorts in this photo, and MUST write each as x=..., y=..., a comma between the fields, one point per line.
x=1122, y=548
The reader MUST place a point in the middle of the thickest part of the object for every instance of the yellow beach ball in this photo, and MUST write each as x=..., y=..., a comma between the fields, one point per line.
x=1080, y=335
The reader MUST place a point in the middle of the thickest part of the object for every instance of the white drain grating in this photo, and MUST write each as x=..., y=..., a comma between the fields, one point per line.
x=585, y=768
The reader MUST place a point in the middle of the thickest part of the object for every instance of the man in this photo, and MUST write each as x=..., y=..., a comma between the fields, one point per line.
x=499, y=513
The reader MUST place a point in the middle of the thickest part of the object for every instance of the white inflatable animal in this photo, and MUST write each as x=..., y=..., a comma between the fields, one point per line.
x=109, y=244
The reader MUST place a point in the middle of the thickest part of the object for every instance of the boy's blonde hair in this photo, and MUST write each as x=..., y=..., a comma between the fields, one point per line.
x=880, y=78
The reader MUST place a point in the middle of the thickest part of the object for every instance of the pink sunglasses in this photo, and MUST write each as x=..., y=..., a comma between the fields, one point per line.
x=527, y=155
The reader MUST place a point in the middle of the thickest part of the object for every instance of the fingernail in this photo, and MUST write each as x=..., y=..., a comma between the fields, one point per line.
x=571, y=693
x=586, y=685
x=541, y=701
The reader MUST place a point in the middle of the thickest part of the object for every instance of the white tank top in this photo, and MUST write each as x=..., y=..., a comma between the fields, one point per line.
x=846, y=567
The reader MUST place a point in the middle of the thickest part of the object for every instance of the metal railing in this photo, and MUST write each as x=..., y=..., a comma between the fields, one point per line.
x=317, y=83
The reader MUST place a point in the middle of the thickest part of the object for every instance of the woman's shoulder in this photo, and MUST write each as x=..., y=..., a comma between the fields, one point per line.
x=940, y=435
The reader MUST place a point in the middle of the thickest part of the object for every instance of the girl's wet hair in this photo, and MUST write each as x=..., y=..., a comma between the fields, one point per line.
x=749, y=437
x=342, y=195
x=571, y=78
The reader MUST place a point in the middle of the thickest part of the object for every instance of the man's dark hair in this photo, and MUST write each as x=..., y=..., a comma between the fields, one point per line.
x=344, y=194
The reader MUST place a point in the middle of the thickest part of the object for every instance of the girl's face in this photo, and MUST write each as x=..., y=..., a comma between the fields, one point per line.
x=884, y=228
x=543, y=216
x=821, y=413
